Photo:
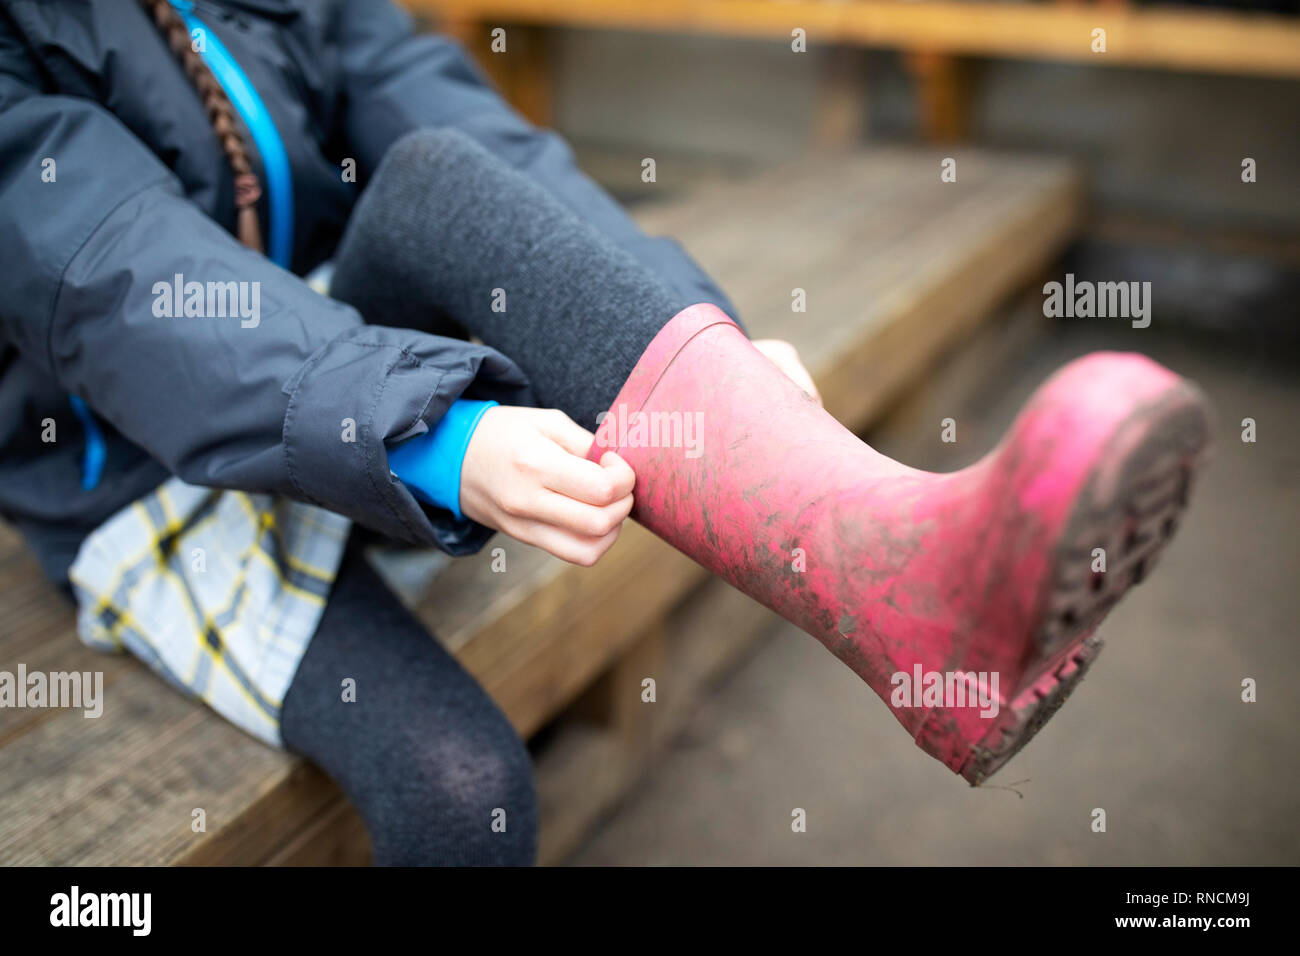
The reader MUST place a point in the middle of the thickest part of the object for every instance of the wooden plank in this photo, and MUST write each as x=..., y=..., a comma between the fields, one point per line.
x=944, y=92
x=64, y=798
x=590, y=767
x=521, y=72
x=1193, y=40
x=841, y=119
x=560, y=627
x=37, y=630
x=614, y=701
x=122, y=788
x=336, y=837
x=896, y=265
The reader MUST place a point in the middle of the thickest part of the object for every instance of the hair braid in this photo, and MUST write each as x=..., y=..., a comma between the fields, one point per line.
x=248, y=190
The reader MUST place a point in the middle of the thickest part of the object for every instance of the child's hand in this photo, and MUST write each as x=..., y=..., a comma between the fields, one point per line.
x=526, y=473
x=784, y=356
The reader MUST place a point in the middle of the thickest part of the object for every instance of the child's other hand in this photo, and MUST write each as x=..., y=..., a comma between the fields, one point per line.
x=526, y=473
x=785, y=357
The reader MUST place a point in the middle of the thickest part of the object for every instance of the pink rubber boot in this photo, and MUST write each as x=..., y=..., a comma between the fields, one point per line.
x=968, y=600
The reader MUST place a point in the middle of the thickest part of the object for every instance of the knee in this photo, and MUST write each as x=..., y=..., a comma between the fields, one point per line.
x=433, y=151
x=464, y=798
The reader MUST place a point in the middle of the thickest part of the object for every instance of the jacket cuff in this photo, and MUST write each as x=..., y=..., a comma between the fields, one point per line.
x=373, y=385
x=430, y=464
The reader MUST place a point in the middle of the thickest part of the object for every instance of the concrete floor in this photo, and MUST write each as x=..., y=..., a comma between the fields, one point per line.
x=1158, y=735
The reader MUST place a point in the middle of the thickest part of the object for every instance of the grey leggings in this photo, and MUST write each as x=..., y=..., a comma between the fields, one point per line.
x=424, y=754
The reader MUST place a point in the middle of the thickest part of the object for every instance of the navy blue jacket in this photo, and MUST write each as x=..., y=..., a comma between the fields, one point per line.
x=141, y=191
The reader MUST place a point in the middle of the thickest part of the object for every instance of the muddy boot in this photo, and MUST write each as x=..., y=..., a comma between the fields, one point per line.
x=967, y=601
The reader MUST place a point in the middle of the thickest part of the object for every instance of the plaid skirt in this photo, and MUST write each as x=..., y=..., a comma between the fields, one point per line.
x=218, y=591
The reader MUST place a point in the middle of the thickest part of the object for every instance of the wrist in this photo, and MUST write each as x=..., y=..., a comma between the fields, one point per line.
x=430, y=465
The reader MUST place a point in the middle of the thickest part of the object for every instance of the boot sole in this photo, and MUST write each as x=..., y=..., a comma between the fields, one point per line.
x=1130, y=506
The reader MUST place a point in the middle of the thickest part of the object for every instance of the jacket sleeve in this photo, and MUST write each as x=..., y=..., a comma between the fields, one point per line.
x=293, y=396
x=396, y=80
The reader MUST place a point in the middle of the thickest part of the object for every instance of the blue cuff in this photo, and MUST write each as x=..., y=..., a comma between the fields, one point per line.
x=429, y=464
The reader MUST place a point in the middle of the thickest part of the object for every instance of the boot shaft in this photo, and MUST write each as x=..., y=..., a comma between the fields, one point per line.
x=896, y=571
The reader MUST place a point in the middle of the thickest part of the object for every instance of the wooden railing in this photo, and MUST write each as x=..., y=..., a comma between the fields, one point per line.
x=1167, y=37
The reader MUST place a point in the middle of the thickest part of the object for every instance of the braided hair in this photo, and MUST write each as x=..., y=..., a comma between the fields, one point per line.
x=221, y=114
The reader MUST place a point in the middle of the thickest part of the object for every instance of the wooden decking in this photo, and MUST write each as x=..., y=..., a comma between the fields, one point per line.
x=897, y=267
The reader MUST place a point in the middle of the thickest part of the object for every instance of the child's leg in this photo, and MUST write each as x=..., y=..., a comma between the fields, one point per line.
x=422, y=752
x=446, y=231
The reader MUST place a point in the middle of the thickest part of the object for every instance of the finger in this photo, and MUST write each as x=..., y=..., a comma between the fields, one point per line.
x=619, y=471
x=800, y=376
x=565, y=432
x=563, y=544
x=575, y=476
x=785, y=357
x=584, y=520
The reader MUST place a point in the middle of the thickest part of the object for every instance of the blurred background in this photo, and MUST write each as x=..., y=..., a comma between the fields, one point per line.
x=1157, y=129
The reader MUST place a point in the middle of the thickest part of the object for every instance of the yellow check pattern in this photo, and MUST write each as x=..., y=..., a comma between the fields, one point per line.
x=218, y=591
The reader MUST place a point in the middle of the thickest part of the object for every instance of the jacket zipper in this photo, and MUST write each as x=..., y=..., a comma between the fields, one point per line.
x=279, y=190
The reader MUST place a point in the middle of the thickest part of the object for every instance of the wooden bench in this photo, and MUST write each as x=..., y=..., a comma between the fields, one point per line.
x=897, y=267
x=937, y=37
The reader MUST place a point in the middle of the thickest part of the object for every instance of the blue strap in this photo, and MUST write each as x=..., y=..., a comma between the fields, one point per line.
x=92, y=461
x=430, y=464
x=279, y=191
x=275, y=161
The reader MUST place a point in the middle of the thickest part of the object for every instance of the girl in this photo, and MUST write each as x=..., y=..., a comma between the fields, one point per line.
x=171, y=168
